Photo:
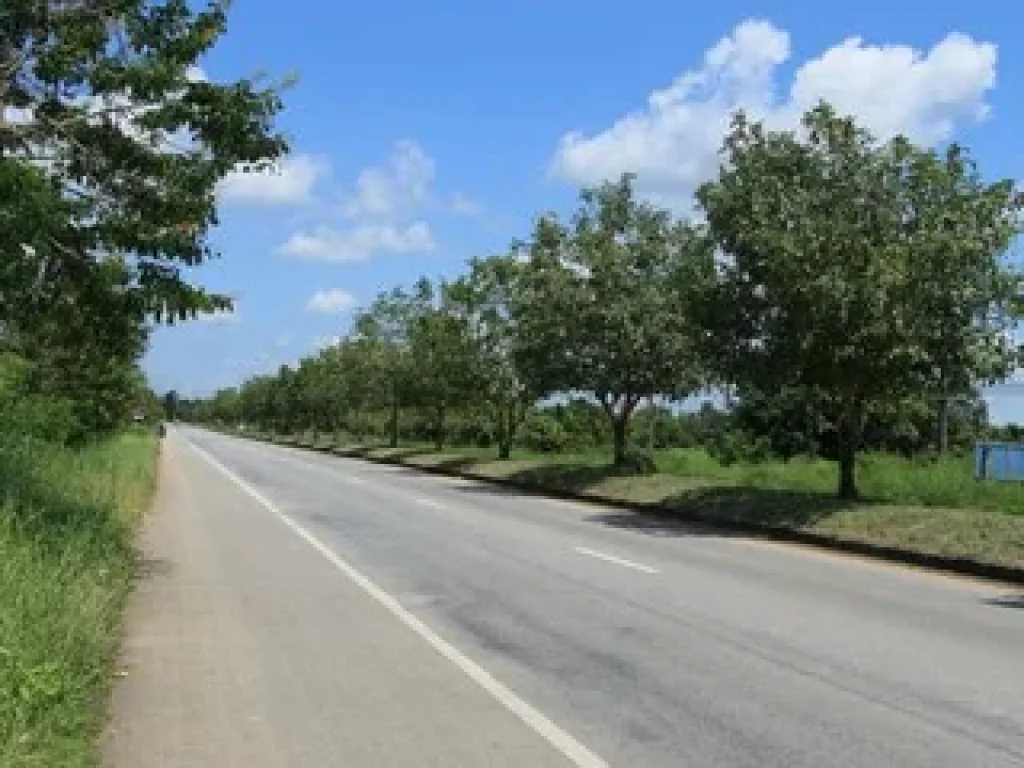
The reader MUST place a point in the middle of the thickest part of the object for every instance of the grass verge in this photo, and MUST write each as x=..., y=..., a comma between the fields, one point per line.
x=67, y=522
x=934, y=508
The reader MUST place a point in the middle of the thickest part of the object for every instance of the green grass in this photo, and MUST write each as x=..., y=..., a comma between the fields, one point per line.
x=67, y=521
x=929, y=482
x=932, y=506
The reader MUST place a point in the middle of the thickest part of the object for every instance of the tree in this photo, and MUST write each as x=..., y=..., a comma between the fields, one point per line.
x=605, y=305
x=958, y=226
x=382, y=332
x=257, y=401
x=440, y=350
x=225, y=407
x=826, y=239
x=109, y=105
x=171, y=405
x=485, y=297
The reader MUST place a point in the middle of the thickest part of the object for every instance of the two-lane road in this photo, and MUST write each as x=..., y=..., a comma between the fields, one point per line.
x=332, y=612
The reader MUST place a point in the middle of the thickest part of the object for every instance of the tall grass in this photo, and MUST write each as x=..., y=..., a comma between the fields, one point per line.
x=67, y=520
x=931, y=482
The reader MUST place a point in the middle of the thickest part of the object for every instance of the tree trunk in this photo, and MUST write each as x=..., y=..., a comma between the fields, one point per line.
x=847, y=473
x=439, y=428
x=943, y=425
x=504, y=432
x=394, y=421
x=650, y=433
x=620, y=424
x=849, y=441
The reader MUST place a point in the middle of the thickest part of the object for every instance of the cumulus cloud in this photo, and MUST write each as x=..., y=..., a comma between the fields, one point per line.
x=383, y=211
x=220, y=317
x=672, y=143
x=461, y=205
x=403, y=181
x=288, y=182
x=359, y=243
x=331, y=302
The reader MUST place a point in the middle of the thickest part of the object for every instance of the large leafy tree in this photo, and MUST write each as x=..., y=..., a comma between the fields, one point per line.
x=383, y=354
x=484, y=297
x=958, y=227
x=77, y=324
x=605, y=305
x=105, y=99
x=854, y=273
x=441, y=351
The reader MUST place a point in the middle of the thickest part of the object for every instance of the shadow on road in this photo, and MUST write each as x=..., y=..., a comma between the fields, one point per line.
x=1006, y=601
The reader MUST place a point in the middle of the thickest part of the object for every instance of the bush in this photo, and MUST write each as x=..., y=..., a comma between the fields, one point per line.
x=542, y=432
x=734, y=447
x=637, y=463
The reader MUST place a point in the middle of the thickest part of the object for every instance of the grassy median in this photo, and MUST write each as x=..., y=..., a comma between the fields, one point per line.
x=929, y=506
x=67, y=522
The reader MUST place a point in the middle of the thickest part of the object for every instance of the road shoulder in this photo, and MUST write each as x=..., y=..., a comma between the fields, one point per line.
x=243, y=646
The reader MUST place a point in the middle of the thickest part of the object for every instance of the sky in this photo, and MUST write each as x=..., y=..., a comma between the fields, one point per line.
x=423, y=134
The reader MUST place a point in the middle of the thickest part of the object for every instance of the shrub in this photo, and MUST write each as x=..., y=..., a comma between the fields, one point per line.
x=542, y=432
x=734, y=447
x=638, y=463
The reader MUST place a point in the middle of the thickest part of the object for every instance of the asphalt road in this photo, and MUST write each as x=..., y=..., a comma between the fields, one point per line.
x=309, y=610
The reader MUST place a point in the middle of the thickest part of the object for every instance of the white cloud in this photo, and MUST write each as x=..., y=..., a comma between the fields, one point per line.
x=221, y=318
x=673, y=142
x=288, y=182
x=331, y=302
x=461, y=205
x=384, y=212
x=360, y=243
x=325, y=342
x=402, y=182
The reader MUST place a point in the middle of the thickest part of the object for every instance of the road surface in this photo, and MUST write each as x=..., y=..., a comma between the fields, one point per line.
x=301, y=609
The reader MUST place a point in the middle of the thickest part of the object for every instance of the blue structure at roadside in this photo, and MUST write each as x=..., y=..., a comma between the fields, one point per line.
x=999, y=461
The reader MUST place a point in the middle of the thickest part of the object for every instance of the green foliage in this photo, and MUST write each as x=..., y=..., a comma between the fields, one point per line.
x=485, y=300
x=852, y=295
x=542, y=432
x=839, y=251
x=637, y=463
x=605, y=304
x=130, y=132
x=585, y=422
x=734, y=446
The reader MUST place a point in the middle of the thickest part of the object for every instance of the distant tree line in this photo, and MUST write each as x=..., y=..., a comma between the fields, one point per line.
x=844, y=293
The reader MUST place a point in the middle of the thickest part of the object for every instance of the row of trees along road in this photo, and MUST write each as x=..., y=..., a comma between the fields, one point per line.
x=112, y=143
x=828, y=277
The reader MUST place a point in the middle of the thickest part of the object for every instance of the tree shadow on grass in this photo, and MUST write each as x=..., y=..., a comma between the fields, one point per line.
x=714, y=510
x=706, y=505
x=572, y=478
x=757, y=506
x=401, y=454
x=456, y=464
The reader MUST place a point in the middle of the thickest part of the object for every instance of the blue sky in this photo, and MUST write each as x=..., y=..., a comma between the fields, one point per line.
x=426, y=133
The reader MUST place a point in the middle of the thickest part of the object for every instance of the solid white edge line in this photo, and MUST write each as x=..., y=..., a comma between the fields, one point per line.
x=558, y=738
x=616, y=560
